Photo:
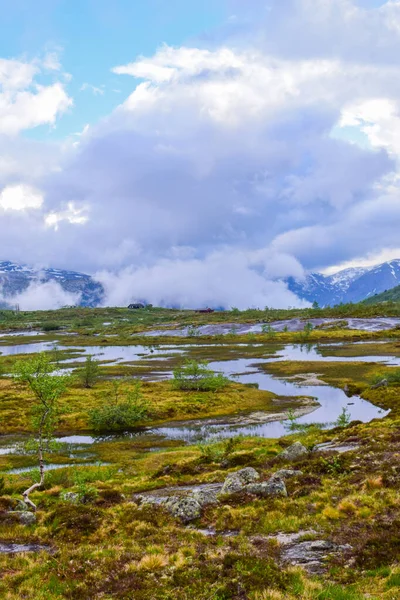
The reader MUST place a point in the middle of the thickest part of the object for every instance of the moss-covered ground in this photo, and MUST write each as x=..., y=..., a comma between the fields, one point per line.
x=109, y=547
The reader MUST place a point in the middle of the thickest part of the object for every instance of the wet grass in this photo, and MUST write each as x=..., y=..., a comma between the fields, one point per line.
x=108, y=546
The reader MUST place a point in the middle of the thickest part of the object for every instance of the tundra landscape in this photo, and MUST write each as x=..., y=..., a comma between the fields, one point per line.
x=199, y=300
x=250, y=461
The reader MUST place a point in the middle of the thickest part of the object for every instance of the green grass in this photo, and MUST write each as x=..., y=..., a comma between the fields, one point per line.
x=110, y=547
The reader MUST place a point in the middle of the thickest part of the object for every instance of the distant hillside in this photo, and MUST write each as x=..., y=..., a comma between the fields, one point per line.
x=349, y=285
x=392, y=295
x=15, y=279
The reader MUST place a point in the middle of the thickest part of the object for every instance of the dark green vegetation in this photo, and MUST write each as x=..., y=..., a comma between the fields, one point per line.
x=194, y=375
x=391, y=296
x=105, y=545
x=120, y=413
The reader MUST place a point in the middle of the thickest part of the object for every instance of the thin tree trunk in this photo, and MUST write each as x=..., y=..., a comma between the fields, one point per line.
x=41, y=469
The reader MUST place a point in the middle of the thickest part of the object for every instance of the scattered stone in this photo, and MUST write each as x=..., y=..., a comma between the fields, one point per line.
x=186, y=509
x=205, y=497
x=332, y=447
x=312, y=555
x=294, y=451
x=24, y=516
x=18, y=548
x=71, y=497
x=286, y=474
x=380, y=384
x=236, y=482
x=273, y=487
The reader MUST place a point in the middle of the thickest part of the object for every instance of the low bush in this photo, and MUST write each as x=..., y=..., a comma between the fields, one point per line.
x=120, y=414
x=195, y=376
x=89, y=373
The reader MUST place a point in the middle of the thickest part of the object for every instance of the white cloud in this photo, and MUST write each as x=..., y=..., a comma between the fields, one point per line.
x=71, y=214
x=97, y=91
x=42, y=296
x=24, y=103
x=221, y=172
x=20, y=197
x=221, y=279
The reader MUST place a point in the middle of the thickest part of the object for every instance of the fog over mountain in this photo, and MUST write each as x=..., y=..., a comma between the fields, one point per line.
x=53, y=288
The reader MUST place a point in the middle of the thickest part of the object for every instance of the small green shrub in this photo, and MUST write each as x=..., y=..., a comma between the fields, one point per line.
x=343, y=419
x=50, y=326
x=120, y=414
x=195, y=376
x=89, y=373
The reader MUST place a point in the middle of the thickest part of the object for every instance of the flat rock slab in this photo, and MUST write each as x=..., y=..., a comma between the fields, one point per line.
x=160, y=495
x=6, y=548
x=310, y=554
x=340, y=448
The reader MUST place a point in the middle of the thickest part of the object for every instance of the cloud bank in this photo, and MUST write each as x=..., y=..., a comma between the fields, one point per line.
x=270, y=149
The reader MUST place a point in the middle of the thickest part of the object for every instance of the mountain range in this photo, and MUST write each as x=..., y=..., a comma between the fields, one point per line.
x=349, y=285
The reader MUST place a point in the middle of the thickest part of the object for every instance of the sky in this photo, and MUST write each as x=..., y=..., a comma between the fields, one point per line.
x=199, y=153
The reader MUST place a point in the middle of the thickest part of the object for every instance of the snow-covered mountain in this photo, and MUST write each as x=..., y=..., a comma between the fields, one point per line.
x=15, y=279
x=349, y=285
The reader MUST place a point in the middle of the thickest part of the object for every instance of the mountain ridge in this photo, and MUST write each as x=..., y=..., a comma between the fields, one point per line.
x=349, y=285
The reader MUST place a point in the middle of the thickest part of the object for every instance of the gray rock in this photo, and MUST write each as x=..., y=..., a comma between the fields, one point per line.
x=273, y=487
x=6, y=548
x=205, y=497
x=294, y=451
x=235, y=482
x=286, y=474
x=312, y=555
x=24, y=517
x=380, y=384
x=186, y=509
x=71, y=497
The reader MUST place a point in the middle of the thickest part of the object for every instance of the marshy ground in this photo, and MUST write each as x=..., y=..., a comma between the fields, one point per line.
x=106, y=545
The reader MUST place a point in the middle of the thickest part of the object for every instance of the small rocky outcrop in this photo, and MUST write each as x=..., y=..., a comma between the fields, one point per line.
x=236, y=482
x=380, y=384
x=273, y=487
x=24, y=516
x=205, y=496
x=296, y=450
x=7, y=548
x=71, y=497
x=186, y=508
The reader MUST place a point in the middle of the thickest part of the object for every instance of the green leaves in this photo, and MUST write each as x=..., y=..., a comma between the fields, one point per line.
x=89, y=373
x=195, y=376
x=122, y=410
x=47, y=386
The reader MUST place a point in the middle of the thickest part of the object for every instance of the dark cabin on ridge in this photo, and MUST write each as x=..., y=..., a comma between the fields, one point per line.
x=138, y=305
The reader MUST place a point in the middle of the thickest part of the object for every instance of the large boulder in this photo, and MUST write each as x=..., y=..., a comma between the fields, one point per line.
x=236, y=482
x=273, y=487
x=185, y=508
x=296, y=450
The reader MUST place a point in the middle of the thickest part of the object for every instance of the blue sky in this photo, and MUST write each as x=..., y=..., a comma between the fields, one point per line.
x=241, y=141
x=93, y=36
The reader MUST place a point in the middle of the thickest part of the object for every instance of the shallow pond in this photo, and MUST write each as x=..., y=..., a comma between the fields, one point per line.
x=292, y=325
x=332, y=400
